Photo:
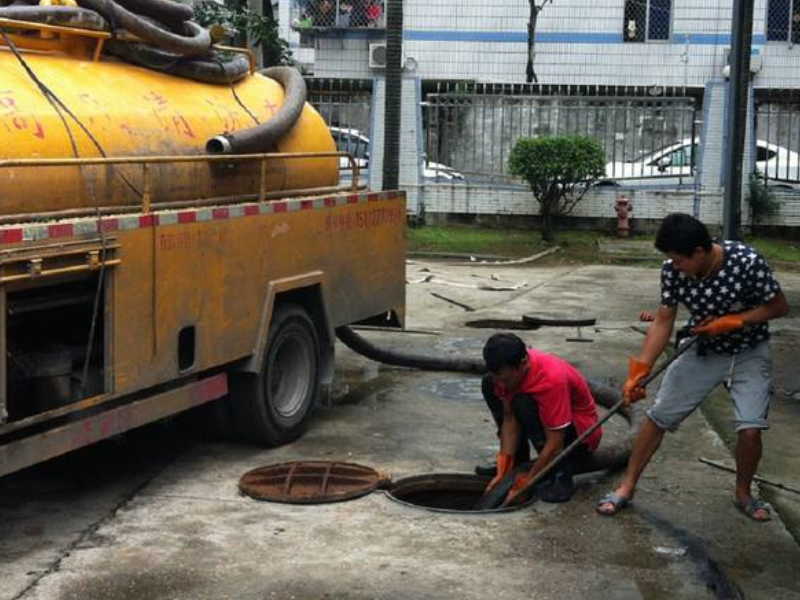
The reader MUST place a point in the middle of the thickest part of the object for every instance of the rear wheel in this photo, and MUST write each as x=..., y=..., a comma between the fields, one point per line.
x=273, y=406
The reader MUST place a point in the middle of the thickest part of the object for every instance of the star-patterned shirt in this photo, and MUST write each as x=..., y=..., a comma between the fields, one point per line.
x=743, y=282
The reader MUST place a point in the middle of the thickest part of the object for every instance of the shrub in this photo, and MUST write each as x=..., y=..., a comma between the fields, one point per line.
x=559, y=170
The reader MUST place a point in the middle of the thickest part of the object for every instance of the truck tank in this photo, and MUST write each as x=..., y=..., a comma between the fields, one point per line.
x=133, y=111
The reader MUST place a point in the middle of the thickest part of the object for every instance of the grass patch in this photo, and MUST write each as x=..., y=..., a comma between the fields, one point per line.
x=775, y=249
x=464, y=239
x=577, y=246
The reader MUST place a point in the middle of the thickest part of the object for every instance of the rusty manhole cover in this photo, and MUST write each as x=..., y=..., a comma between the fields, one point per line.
x=310, y=482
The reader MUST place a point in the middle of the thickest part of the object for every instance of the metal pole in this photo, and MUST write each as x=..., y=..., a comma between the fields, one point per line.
x=394, y=85
x=741, y=37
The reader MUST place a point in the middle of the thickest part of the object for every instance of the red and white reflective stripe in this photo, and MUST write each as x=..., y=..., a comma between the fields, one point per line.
x=33, y=232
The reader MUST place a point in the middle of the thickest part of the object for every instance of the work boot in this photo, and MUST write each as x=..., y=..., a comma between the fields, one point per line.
x=487, y=470
x=559, y=488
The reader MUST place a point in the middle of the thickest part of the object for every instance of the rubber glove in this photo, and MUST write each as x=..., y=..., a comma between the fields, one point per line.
x=520, y=481
x=505, y=462
x=724, y=324
x=637, y=370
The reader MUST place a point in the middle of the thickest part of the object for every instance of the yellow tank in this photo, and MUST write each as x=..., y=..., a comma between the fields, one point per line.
x=132, y=111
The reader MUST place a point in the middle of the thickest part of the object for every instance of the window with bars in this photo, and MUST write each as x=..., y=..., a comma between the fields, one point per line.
x=783, y=21
x=339, y=14
x=648, y=20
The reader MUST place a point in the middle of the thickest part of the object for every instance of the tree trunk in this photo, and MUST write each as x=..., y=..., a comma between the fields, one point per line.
x=530, y=73
x=548, y=232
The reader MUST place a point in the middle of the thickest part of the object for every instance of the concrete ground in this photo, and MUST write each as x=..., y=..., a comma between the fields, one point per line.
x=157, y=514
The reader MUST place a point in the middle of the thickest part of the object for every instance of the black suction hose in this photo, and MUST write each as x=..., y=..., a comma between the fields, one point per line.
x=263, y=138
x=68, y=16
x=215, y=68
x=415, y=361
x=165, y=11
x=192, y=40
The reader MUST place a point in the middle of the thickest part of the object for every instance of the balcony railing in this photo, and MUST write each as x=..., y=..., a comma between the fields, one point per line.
x=311, y=15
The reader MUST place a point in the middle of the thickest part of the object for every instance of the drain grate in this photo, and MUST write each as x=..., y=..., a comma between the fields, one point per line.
x=310, y=482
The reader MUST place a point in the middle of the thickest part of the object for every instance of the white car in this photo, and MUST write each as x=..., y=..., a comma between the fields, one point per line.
x=673, y=165
x=356, y=144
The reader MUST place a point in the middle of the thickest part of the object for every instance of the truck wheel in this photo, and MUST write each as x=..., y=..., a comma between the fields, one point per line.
x=273, y=406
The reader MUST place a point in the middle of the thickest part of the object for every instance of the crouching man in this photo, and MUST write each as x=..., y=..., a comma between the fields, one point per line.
x=541, y=399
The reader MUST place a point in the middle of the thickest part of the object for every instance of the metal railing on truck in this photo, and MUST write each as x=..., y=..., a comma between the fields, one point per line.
x=147, y=203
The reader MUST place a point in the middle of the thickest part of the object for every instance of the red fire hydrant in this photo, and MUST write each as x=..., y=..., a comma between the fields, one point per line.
x=624, y=208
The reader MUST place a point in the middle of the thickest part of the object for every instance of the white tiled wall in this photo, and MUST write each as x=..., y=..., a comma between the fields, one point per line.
x=579, y=42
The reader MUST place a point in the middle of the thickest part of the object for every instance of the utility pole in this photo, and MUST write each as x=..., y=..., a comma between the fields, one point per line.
x=736, y=125
x=393, y=90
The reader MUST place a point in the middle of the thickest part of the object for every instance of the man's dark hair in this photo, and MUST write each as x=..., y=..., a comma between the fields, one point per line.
x=504, y=350
x=682, y=233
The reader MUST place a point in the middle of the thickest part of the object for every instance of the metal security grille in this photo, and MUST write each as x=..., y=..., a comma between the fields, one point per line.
x=647, y=20
x=339, y=14
x=783, y=21
x=472, y=128
x=346, y=105
x=778, y=137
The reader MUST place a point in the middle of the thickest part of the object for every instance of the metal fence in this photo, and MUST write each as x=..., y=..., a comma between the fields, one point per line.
x=346, y=106
x=472, y=128
x=777, y=128
x=337, y=14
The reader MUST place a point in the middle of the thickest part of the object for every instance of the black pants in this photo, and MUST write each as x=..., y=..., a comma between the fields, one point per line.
x=526, y=411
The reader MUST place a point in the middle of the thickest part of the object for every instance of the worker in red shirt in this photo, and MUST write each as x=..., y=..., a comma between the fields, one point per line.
x=541, y=399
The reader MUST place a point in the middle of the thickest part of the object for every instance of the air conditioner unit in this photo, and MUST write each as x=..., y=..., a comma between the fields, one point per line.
x=377, y=56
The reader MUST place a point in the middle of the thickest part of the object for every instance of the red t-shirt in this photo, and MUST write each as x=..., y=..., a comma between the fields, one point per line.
x=561, y=393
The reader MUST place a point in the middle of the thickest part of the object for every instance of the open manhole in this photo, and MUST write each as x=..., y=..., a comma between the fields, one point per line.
x=316, y=482
x=310, y=482
x=445, y=492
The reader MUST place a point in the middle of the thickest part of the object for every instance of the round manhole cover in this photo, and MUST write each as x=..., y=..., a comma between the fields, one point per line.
x=310, y=482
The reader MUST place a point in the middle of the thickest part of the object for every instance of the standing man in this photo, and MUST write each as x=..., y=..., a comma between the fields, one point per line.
x=730, y=293
x=538, y=398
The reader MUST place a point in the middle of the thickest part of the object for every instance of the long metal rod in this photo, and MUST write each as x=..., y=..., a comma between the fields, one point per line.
x=612, y=411
x=776, y=484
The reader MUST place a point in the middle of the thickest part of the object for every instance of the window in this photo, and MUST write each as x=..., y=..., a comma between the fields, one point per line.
x=783, y=21
x=764, y=154
x=647, y=20
x=341, y=14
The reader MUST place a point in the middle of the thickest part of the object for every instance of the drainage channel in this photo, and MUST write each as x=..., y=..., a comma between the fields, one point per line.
x=318, y=482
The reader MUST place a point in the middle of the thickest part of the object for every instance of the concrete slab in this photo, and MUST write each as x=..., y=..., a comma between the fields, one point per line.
x=188, y=533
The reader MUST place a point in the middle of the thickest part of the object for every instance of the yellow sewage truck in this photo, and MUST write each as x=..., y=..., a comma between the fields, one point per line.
x=167, y=242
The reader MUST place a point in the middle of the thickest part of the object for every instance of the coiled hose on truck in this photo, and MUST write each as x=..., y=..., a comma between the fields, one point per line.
x=607, y=456
x=172, y=43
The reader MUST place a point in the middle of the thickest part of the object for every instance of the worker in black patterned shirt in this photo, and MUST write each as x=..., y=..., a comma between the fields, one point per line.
x=731, y=294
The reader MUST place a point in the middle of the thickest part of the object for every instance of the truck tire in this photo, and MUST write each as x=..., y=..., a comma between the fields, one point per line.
x=272, y=407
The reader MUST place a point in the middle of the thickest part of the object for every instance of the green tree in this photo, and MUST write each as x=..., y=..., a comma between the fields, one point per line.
x=245, y=24
x=559, y=170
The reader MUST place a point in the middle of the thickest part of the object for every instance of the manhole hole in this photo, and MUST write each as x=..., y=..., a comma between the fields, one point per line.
x=445, y=492
x=310, y=482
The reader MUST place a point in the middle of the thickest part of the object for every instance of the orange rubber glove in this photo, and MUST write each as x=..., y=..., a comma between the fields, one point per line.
x=724, y=324
x=505, y=462
x=520, y=481
x=637, y=370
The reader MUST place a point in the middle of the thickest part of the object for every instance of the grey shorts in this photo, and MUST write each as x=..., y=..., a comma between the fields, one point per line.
x=691, y=378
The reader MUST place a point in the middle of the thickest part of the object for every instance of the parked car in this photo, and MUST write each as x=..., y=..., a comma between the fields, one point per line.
x=673, y=165
x=357, y=144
